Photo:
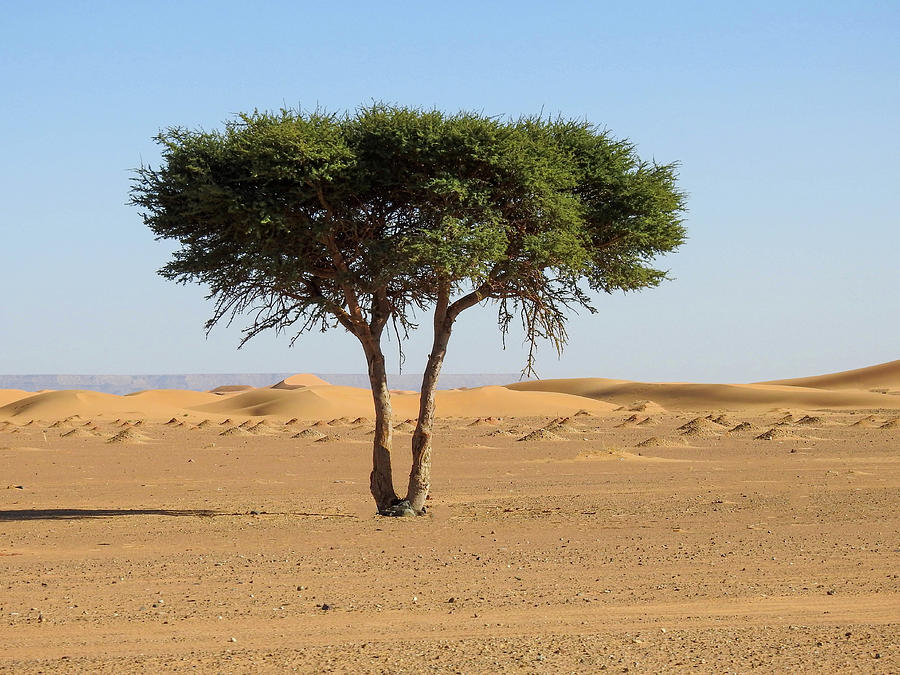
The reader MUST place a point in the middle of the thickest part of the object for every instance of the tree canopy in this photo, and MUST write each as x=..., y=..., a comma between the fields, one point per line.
x=310, y=219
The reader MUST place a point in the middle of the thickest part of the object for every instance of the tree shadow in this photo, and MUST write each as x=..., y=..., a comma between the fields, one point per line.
x=69, y=514
x=11, y=515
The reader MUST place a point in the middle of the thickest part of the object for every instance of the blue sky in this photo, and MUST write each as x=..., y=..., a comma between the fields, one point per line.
x=783, y=116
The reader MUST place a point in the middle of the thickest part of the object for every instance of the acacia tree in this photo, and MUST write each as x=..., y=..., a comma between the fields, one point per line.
x=364, y=220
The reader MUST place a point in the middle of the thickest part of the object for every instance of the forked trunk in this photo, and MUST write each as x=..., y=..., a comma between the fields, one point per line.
x=381, y=481
x=420, y=474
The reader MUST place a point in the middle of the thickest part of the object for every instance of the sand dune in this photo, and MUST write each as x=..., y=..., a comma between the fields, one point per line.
x=7, y=396
x=59, y=404
x=308, y=402
x=173, y=398
x=300, y=380
x=882, y=376
x=231, y=389
x=496, y=401
x=312, y=402
x=685, y=396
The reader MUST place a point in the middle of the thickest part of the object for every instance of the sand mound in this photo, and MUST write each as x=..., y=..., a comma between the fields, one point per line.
x=646, y=406
x=485, y=422
x=309, y=433
x=655, y=442
x=541, y=435
x=630, y=421
x=774, y=434
x=80, y=432
x=809, y=420
x=697, y=432
x=561, y=425
x=700, y=427
x=867, y=421
x=299, y=381
x=721, y=420
x=891, y=424
x=128, y=435
x=881, y=376
x=262, y=427
x=235, y=431
x=406, y=427
x=738, y=428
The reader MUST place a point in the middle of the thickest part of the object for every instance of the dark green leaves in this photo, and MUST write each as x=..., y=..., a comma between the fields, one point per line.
x=301, y=216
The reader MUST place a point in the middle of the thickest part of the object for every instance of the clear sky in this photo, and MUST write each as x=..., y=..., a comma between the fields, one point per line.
x=784, y=116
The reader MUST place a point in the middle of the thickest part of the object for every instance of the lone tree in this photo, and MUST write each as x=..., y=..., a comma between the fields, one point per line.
x=313, y=220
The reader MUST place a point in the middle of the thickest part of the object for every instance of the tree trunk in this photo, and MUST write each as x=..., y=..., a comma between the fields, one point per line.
x=381, y=481
x=420, y=474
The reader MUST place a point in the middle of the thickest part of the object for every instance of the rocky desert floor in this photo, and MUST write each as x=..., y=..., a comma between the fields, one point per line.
x=638, y=540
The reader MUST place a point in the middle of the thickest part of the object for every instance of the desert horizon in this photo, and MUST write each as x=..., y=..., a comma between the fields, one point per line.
x=128, y=384
x=311, y=396
x=573, y=525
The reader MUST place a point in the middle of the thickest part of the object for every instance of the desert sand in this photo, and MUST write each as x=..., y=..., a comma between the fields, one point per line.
x=577, y=525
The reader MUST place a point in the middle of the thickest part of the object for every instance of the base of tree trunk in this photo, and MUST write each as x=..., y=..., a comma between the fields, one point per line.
x=400, y=509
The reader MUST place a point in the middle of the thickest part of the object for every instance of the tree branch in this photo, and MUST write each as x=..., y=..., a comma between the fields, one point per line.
x=340, y=264
x=381, y=310
x=332, y=307
x=486, y=290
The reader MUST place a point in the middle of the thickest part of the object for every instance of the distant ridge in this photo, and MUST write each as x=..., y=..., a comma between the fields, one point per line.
x=127, y=384
x=883, y=376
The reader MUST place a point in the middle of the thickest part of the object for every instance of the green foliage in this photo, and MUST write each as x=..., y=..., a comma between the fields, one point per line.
x=304, y=219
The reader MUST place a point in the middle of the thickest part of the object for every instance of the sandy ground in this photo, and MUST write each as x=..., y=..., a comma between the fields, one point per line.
x=706, y=550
